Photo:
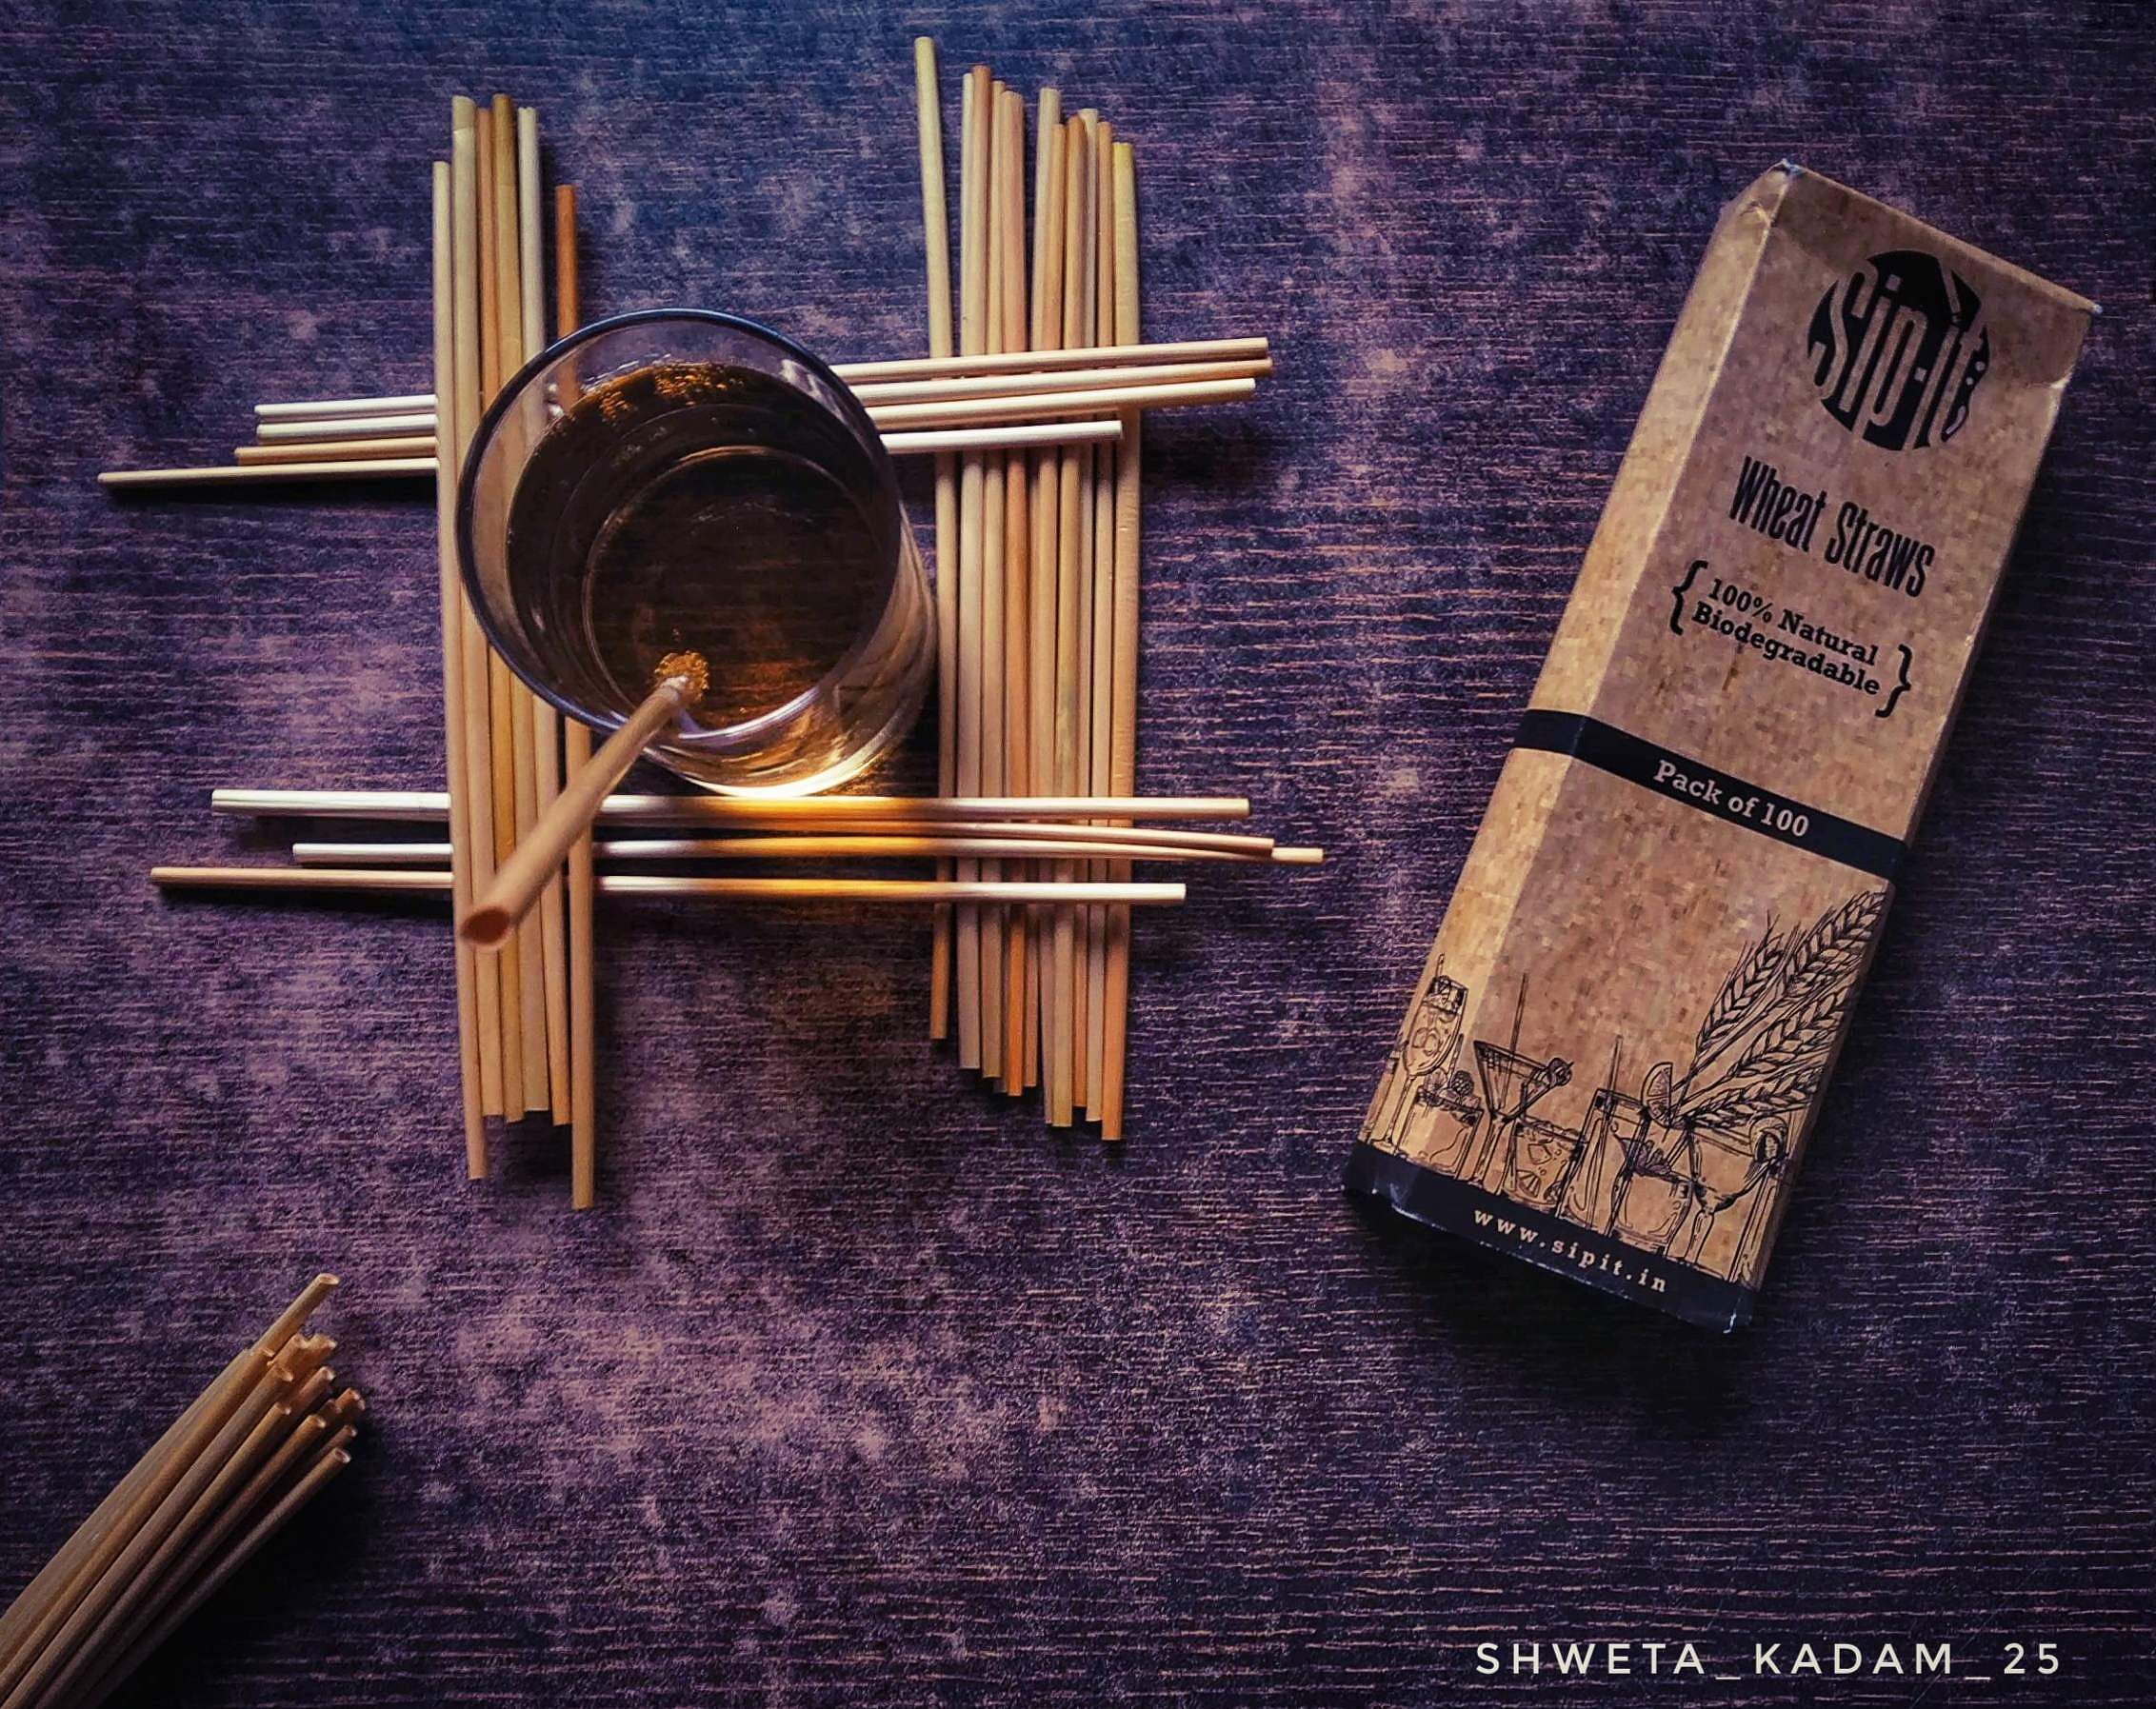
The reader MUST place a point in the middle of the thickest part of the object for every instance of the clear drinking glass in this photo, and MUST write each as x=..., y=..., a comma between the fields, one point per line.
x=680, y=480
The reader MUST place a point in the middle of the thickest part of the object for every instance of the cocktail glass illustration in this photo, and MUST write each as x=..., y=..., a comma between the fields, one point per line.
x=1653, y=1193
x=1774, y=1138
x=1428, y=1042
x=1540, y=1158
x=1616, y=1123
x=1512, y=1084
x=1446, y=1119
x=1727, y=1168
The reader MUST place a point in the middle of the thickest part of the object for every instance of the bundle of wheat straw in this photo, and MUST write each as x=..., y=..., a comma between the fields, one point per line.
x=1040, y=588
x=935, y=408
x=505, y=750
x=255, y=1446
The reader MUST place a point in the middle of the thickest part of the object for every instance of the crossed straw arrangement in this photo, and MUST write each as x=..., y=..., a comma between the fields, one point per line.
x=1034, y=421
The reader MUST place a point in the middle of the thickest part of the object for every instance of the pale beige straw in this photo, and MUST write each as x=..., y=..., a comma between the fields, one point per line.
x=331, y=1461
x=1046, y=334
x=459, y=418
x=451, y=590
x=421, y=447
x=935, y=229
x=1059, y=1064
x=1101, y=624
x=432, y=806
x=62, y=1580
x=531, y=935
x=546, y=722
x=1122, y=762
x=683, y=678
x=993, y=922
x=576, y=755
x=975, y=156
x=501, y=687
x=1017, y=576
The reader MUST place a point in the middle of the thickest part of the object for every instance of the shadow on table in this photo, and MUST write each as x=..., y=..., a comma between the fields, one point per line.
x=1573, y=1343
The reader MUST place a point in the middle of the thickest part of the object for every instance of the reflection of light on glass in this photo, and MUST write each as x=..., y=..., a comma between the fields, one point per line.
x=685, y=482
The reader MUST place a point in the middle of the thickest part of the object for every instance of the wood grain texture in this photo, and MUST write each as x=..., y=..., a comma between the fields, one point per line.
x=859, y=1389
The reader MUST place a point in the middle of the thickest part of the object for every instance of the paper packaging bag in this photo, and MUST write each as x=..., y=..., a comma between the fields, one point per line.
x=1623, y=1031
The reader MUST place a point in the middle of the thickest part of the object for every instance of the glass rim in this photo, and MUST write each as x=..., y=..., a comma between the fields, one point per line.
x=854, y=413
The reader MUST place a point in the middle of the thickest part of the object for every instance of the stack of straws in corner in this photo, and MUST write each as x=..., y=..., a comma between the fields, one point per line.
x=255, y=1447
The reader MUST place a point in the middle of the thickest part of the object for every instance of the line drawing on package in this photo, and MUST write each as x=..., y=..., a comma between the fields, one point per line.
x=1690, y=1155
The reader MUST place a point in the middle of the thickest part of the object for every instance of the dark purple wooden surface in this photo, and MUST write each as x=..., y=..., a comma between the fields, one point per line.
x=859, y=1389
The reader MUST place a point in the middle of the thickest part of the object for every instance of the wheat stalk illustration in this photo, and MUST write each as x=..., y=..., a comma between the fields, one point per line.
x=1821, y=964
x=1744, y=1107
x=1784, y=1094
x=1748, y=982
x=1831, y=952
x=1799, y=1039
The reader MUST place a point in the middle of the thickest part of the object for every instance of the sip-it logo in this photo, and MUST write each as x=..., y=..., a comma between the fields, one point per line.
x=1898, y=348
